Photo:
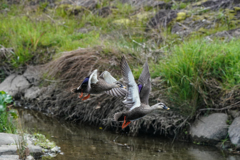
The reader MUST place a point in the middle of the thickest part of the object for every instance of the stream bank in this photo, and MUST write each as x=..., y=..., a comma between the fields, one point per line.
x=45, y=87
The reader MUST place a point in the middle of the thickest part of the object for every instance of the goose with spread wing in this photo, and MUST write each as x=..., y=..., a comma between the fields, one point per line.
x=104, y=83
x=137, y=97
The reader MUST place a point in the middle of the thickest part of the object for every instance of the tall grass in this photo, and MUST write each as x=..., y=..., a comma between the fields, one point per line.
x=188, y=67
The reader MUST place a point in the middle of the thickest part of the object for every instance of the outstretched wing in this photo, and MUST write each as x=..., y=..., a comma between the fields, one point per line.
x=116, y=92
x=108, y=77
x=92, y=79
x=144, y=84
x=132, y=100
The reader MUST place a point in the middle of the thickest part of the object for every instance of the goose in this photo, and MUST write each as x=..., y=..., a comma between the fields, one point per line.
x=137, y=97
x=105, y=83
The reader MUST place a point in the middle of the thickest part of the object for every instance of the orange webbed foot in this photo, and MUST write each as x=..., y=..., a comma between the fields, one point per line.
x=80, y=96
x=125, y=124
x=84, y=98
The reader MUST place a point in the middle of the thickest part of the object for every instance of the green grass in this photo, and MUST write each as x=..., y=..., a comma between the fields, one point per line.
x=188, y=66
x=56, y=30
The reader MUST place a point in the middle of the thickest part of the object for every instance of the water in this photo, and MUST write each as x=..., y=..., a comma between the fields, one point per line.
x=84, y=142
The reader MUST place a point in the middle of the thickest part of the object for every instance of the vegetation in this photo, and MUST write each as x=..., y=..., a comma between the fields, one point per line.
x=194, y=73
x=189, y=68
x=6, y=114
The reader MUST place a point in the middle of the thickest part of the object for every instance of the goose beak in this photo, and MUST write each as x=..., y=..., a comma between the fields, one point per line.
x=165, y=107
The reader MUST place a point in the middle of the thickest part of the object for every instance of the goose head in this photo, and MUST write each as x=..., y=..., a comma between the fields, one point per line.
x=160, y=105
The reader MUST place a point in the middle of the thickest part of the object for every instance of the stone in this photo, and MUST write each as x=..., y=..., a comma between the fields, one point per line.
x=234, y=131
x=6, y=138
x=161, y=19
x=210, y=129
x=88, y=4
x=103, y=12
x=234, y=113
x=33, y=74
x=12, y=149
x=229, y=35
x=214, y=4
x=147, y=3
x=14, y=84
x=33, y=93
x=6, y=53
x=9, y=157
x=8, y=146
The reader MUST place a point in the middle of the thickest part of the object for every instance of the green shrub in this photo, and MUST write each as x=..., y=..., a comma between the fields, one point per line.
x=6, y=115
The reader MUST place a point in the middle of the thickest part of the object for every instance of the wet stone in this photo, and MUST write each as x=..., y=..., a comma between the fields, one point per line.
x=14, y=84
x=33, y=93
x=210, y=129
x=234, y=131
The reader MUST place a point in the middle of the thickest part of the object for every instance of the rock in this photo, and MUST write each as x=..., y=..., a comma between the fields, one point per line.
x=210, y=129
x=214, y=4
x=7, y=138
x=103, y=12
x=224, y=145
x=76, y=6
x=234, y=113
x=228, y=35
x=14, y=84
x=14, y=157
x=181, y=30
x=33, y=74
x=6, y=53
x=161, y=19
x=12, y=150
x=33, y=92
x=9, y=157
x=147, y=3
x=194, y=23
x=8, y=146
x=234, y=131
x=86, y=29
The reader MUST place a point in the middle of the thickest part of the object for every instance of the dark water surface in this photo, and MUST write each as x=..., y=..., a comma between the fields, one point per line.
x=89, y=142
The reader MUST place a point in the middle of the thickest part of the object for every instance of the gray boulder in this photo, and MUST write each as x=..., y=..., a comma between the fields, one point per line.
x=33, y=74
x=14, y=84
x=161, y=19
x=234, y=131
x=147, y=3
x=89, y=4
x=8, y=146
x=210, y=129
x=33, y=93
x=7, y=138
x=14, y=157
x=229, y=35
x=234, y=113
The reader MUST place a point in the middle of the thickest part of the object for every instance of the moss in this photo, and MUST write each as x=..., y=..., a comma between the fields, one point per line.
x=199, y=3
x=124, y=21
x=42, y=141
x=143, y=16
x=236, y=8
x=181, y=16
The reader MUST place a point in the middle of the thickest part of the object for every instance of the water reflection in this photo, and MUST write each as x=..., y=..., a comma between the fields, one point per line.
x=89, y=142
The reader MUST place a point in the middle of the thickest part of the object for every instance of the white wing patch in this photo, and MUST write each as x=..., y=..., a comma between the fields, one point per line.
x=92, y=79
x=133, y=92
x=108, y=77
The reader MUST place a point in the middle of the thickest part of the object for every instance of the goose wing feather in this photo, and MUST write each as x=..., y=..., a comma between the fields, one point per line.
x=132, y=100
x=92, y=79
x=145, y=81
